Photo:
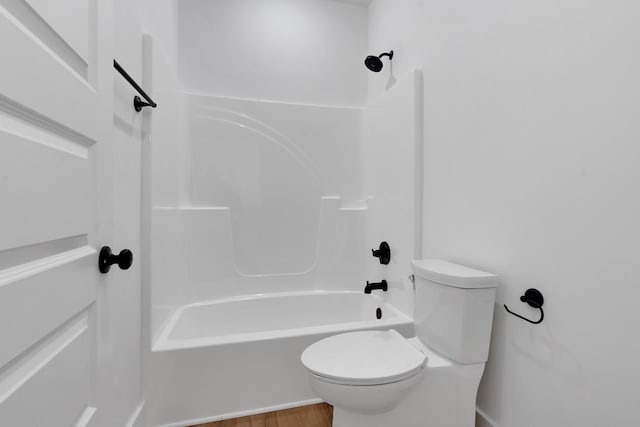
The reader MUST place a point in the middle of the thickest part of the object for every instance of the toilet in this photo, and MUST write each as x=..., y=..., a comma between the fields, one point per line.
x=382, y=379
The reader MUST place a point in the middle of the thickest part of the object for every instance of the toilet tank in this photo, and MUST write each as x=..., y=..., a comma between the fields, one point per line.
x=454, y=309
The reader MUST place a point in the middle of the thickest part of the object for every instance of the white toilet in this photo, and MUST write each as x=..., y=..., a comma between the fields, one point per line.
x=381, y=379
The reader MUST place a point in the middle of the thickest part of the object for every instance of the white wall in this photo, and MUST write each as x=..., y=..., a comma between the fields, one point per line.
x=131, y=21
x=125, y=328
x=306, y=51
x=531, y=156
x=160, y=19
x=392, y=152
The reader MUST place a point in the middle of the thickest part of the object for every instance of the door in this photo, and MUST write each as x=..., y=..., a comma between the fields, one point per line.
x=55, y=206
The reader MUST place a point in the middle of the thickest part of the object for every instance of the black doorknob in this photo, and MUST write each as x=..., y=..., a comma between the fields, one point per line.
x=107, y=258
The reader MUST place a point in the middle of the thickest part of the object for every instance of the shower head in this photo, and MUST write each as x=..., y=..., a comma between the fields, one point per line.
x=374, y=63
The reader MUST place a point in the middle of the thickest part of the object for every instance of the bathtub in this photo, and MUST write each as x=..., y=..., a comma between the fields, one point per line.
x=239, y=356
x=272, y=316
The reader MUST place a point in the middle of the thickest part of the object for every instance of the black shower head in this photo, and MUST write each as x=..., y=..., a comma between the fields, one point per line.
x=374, y=63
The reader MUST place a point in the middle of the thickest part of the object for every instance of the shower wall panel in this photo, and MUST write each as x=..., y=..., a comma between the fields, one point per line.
x=270, y=164
x=393, y=156
x=273, y=201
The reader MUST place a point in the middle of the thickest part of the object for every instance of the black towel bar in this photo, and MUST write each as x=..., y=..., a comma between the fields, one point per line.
x=138, y=103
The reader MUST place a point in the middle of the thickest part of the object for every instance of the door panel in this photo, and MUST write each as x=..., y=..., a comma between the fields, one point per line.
x=51, y=385
x=46, y=185
x=55, y=196
x=35, y=307
x=40, y=70
x=70, y=22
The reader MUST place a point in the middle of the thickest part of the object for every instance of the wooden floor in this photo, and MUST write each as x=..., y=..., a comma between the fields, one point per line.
x=319, y=415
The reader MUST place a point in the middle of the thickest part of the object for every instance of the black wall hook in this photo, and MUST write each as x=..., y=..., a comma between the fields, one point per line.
x=534, y=298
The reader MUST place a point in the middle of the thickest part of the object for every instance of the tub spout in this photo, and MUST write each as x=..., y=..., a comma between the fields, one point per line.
x=373, y=286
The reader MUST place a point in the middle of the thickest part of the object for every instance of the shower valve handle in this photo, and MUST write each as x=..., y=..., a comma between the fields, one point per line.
x=383, y=253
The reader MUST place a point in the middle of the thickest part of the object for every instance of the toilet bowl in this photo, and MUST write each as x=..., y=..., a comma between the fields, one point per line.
x=368, y=371
x=382, y=379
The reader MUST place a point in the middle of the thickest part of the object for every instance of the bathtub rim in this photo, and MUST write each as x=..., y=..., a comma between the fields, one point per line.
x=163, y=343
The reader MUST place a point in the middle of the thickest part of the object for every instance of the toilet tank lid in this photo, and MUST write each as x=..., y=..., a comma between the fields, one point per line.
x=448, y=273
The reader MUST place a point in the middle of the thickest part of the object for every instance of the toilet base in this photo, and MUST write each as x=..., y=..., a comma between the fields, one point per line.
x=445, y=398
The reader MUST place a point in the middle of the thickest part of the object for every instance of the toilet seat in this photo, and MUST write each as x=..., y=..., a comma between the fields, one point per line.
x=364, y=358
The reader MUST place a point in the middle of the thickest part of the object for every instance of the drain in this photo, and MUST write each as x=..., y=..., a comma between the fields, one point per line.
x=379, y=313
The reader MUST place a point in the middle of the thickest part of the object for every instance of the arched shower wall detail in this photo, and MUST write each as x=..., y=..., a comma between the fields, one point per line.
x=265, y=166
x=274, y=202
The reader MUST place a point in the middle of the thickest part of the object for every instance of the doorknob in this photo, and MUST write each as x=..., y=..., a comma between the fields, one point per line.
x=107, y=258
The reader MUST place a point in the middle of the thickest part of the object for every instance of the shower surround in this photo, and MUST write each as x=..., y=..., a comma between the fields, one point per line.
x=273, y=203
x=265, y=247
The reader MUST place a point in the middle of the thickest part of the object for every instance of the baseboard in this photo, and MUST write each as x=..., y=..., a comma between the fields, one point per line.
x=137, y=417
x=483, y=420
x=241, y=414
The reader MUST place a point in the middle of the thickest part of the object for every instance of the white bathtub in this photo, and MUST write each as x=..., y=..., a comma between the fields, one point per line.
x=279, y=315
x=240, y=356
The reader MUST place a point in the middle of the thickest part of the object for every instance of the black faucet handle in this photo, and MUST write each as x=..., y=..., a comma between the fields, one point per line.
x=383, y=253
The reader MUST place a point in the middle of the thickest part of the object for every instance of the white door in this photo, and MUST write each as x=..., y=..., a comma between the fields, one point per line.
x=55, y=184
